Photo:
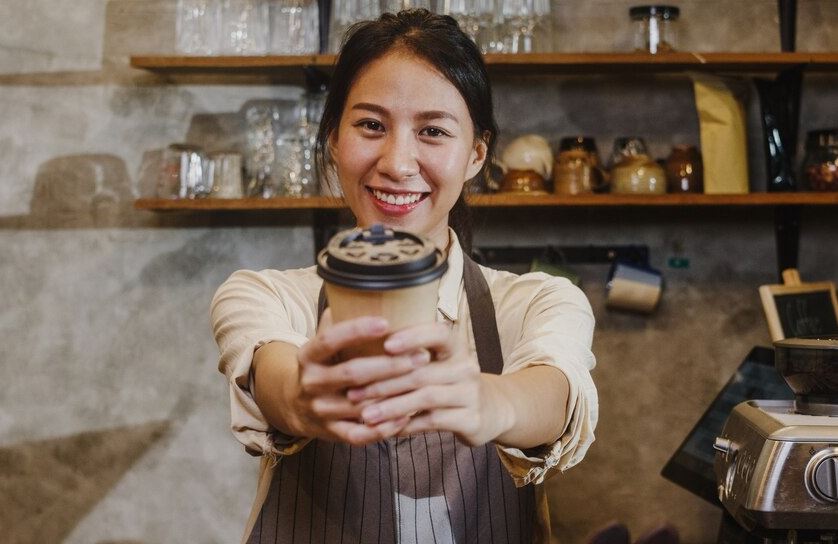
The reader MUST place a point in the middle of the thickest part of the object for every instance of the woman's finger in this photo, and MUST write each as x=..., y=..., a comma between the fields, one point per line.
x=437, y=372
x=426, y=399
x=434, y=336
x=330, y=340
x=335, y=407
x=359, y=434
x=318, y=379
x=459, y=421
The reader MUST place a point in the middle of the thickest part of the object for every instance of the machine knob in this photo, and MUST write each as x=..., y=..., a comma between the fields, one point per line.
x=823, y=475
x=725, y=446
x=826, y=478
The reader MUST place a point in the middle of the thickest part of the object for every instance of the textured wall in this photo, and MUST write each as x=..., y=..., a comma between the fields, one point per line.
x=113, y=420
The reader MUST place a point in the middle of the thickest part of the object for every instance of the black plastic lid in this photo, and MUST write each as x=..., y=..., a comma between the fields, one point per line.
x=379, y=258
x=664, y=12
x=585, y=143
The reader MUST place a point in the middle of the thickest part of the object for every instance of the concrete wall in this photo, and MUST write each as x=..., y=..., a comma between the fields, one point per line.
x=113, y=419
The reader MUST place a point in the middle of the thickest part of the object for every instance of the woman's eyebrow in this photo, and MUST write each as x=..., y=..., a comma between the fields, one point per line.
x=366, y=106
x=436, y=114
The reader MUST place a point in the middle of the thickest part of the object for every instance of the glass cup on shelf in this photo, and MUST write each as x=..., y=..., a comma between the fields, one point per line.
x=473, y=16
x=520, y=19
x=224, y=175
x=294, y=167
x=182, y=172
x=197, y=27
x=294, y=27
x=262, y=120
x=346, y=13
x=244, y=27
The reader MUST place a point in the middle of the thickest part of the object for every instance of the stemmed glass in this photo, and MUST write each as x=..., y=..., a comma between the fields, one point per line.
x=474, y=16
x=346, y=13
x=521, y=18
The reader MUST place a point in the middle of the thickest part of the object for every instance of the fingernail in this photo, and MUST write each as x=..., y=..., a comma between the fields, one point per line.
x=393, y=344
x=420, y=358
x=378, y=324
x=355, y=395
x=371, y=414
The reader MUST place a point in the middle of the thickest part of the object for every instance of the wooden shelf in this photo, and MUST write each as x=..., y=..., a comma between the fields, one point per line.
x=531, y=62
x=505, y=201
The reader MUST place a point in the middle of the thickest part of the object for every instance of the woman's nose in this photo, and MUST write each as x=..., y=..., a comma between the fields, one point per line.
x=398, y=159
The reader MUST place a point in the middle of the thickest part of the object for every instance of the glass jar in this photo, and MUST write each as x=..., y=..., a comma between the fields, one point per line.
x=197, y=27
x=655, y=28
x=294, y=27
x=577, y=169
x=820, y=164
x=684, y=170
x=634, y=171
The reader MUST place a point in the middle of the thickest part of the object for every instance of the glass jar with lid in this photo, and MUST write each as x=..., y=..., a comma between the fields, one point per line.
x=655, y=28
x=820, y=164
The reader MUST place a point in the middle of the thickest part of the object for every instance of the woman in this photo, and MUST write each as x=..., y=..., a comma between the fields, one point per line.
x=399, y=447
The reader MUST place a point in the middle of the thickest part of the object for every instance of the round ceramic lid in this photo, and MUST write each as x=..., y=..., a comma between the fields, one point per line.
x=380, y=258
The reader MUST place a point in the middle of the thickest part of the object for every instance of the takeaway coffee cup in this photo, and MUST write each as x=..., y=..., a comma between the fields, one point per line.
x=381, y=272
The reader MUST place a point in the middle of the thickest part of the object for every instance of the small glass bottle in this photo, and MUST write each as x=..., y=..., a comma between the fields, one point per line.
x=820, y=165
x=684, y=170
x=655, y=28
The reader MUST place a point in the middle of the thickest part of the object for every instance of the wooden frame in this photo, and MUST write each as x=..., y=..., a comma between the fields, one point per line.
x=792, y=286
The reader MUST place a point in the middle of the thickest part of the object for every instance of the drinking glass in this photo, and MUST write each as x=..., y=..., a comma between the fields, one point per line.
x=395, y=6
x=295, y=167
x=182, y=172
x=521, y=18
x=294, y=27
x=224, y=175
x=244, y=27
x=198, y=26
x=346, y=13
x=472, y=15
x=262, y=120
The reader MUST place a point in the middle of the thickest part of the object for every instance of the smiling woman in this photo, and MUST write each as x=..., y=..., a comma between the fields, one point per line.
x=447, y=436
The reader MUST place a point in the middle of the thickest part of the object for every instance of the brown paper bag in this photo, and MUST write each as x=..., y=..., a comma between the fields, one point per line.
x=723, y=139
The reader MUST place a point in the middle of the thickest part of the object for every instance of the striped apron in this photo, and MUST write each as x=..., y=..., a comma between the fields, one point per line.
x=424, y=488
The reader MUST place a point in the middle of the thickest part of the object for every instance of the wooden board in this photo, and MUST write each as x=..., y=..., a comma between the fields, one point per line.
x=795, y=309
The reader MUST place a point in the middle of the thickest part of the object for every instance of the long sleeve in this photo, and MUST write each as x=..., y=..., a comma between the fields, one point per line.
x=249, y=310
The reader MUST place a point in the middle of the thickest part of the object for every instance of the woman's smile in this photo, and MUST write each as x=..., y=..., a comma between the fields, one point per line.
x=396, y=202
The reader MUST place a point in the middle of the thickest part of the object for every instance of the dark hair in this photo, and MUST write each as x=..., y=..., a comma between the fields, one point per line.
x=438, y=40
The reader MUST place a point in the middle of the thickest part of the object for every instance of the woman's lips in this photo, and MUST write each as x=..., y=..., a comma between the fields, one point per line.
x=395, y=203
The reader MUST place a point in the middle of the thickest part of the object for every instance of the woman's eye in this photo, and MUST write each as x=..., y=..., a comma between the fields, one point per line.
x=372, y=126
x=433, y=132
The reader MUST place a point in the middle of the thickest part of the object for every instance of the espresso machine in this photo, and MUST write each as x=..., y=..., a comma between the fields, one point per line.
x=776, y=461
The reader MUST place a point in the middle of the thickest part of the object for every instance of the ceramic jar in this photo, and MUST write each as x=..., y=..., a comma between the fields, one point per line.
x=577, y=169
x=684, y=170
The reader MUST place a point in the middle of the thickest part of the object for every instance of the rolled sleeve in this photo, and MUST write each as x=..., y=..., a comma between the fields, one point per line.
x=249, y=310
x=556, y=329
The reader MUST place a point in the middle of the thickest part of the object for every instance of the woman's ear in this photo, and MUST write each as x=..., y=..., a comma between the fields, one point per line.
x=478, y=155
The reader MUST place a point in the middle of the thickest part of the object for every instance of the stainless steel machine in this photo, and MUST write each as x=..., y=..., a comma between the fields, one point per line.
x=776, y=462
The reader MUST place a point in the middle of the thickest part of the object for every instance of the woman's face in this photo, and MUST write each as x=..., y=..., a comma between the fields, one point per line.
x=405, y=146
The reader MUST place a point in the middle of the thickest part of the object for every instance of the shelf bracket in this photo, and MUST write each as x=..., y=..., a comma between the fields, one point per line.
x=787, y=237
x=325, y=224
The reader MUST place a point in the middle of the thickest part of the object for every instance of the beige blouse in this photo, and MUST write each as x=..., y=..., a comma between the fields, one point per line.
x=542, y=320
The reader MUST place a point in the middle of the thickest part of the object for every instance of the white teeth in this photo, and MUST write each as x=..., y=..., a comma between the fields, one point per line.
x=399, y=200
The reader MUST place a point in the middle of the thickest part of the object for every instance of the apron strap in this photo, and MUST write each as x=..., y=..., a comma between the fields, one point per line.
x=484, y=325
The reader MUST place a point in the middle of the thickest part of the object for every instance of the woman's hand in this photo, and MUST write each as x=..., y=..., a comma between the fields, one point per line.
x=321, y=405
x=449, y=394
